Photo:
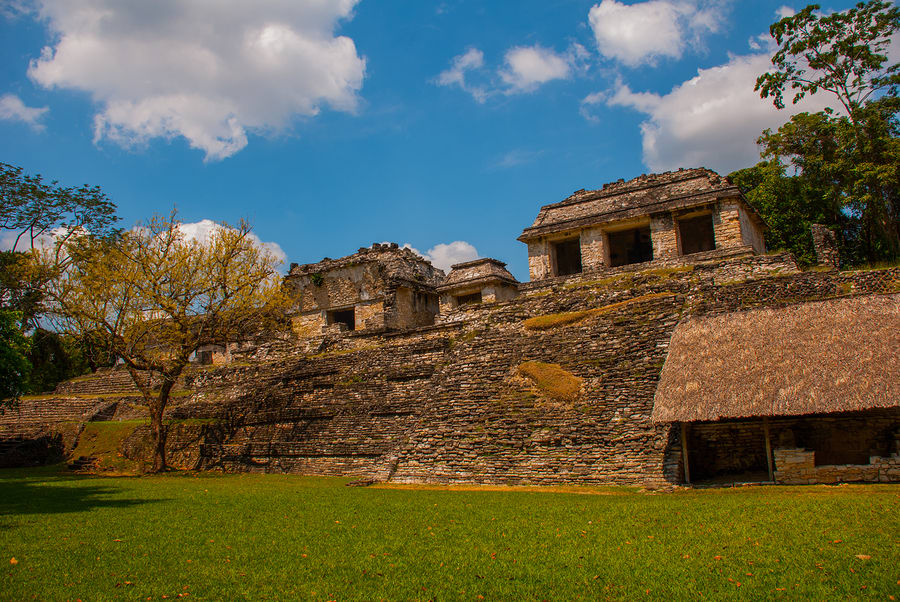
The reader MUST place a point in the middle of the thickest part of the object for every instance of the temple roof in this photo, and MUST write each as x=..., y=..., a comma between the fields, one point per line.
x=398, y=264
x=646, y=194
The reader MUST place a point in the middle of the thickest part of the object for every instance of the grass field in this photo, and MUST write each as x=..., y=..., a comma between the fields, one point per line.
x=287, y=537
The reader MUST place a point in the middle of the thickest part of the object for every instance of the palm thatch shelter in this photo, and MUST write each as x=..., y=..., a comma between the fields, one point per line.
x=819, y=380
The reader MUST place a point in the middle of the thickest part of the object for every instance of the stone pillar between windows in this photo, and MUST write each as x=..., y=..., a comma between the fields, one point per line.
x=593, y=252
x=663, y=236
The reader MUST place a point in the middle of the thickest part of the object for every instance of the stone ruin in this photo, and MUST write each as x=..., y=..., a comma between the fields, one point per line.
x=397, y=372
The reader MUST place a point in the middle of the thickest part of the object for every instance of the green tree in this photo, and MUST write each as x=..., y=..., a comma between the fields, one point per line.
x=846, y=165
x=14, y=366
x=156, y=297
x=32, y=210
x=841, y=53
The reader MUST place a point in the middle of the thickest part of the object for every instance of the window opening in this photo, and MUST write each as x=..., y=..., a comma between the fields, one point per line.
x=568, y=257
x=630, y=246
x=696, y=234
x=346, y=317
x=473, y=299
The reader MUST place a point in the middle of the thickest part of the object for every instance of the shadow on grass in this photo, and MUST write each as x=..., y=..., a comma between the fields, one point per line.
x=57, y=493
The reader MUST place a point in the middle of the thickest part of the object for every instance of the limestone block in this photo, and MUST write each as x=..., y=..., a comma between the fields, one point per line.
x=663, y=236
x=727, y=225
x=593, y=251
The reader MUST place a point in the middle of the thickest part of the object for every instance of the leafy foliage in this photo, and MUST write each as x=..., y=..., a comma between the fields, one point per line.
x=14, y=366
x=31, y=207
x=155, y=297
x=841, y=53
x=845, y=166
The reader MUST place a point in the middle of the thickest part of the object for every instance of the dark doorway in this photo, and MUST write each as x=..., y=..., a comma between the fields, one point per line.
x=568, y=257
x=630, y=246
x=346, y=317
x=473, y=299
x=696, y=234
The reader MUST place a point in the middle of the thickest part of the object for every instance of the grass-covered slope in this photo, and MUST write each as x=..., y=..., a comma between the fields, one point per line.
x=288, y=537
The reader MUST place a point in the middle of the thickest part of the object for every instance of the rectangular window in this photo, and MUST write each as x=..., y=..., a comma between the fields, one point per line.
x=696, y=234
x=567, y=256
x=346, y=317
x=630, y=246
x=473, y=299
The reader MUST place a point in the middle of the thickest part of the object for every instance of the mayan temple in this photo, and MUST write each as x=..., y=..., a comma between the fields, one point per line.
x=656, y=343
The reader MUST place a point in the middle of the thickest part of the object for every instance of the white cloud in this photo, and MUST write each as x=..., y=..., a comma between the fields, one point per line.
x=13, y=109
x=202, y=230
x=527, y=67
x=207, y=71
x=712, y=120
x=517, y=157
x=471, y=60
x=643, y=32
x=444, y=255
x=785, y=11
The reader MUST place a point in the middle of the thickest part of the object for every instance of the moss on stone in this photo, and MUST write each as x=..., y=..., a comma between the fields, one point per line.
x=549, y=321
x=552, y=380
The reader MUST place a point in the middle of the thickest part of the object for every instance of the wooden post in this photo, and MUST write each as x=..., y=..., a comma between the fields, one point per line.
x=768, y=448
x=684, y=453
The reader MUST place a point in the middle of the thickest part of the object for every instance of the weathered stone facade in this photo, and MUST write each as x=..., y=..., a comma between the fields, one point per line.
x=382, y=381
x=446, y=403
x=479, y=281
x=648, y=219
x=379, y=288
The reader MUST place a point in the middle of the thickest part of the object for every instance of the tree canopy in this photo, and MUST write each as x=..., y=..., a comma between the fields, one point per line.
x=840, y=166
x=31, y=208
x=14, y=365
x=157, y=296
x=841, y=53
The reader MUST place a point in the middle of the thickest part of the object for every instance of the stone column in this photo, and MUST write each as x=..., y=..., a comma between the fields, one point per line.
x=825, y=245
x=663, y=236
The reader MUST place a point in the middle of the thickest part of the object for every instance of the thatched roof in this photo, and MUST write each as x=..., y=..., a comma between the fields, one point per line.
x=831, y=356
x=646, y=194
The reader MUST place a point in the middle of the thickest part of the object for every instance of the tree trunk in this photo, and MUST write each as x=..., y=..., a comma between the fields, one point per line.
x=158, y=430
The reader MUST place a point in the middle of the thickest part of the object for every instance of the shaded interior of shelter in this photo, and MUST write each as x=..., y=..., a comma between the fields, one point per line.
x=734, y=451
x=630, y=246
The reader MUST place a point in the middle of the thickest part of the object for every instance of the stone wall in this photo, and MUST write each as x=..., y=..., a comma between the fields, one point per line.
x=727, y=224
x=796, y=466
x=751, y=232
x=593, y=249
x=446, y=403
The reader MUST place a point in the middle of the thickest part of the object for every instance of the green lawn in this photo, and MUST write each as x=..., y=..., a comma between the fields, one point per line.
x=287, y=537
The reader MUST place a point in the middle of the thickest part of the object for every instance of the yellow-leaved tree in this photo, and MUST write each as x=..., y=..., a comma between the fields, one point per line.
x=158, y=295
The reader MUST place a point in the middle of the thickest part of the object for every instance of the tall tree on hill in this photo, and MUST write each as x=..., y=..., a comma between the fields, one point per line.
x=158, y=296
x=845, y=161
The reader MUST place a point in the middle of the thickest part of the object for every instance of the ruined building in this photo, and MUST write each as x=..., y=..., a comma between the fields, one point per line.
x=379, y=288
x=656, y=344
x=693, y=214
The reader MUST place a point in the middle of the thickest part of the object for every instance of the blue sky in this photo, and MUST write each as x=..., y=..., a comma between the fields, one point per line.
x=331, y=125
